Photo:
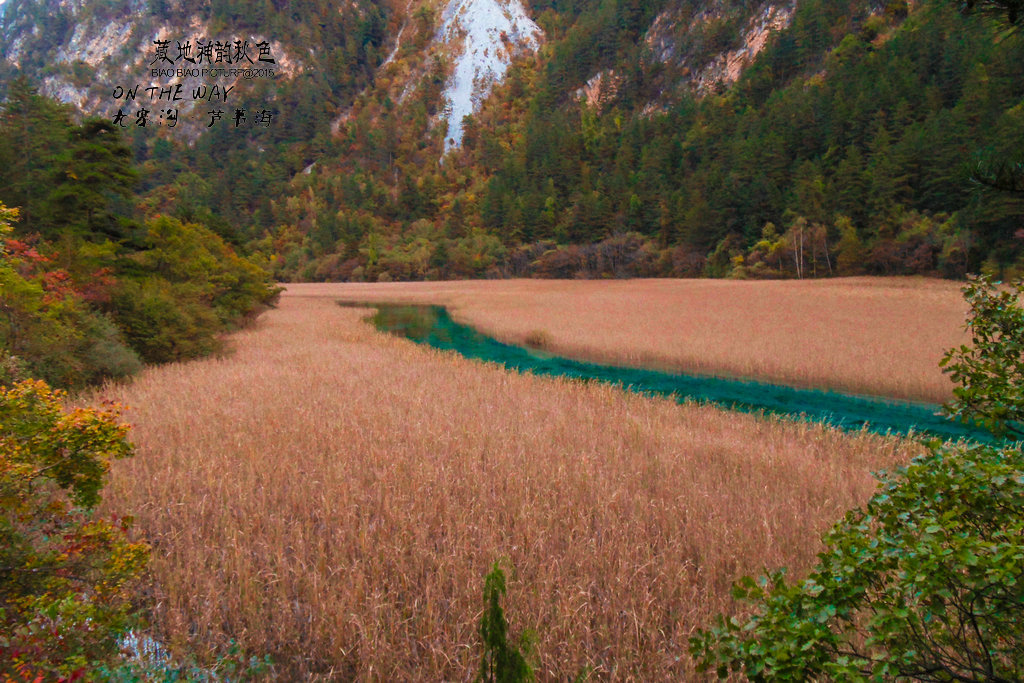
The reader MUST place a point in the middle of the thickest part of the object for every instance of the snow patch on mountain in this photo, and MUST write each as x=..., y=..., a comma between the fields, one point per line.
x=491, y=34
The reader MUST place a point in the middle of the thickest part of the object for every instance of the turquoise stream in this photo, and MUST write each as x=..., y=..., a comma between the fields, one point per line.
x=433, y=326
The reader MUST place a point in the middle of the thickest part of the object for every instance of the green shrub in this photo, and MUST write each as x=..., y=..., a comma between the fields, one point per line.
x=925, y=582
x=502, y=662
x=990, y=371
x=185, y=288
x=106, y=353
x=165, y=322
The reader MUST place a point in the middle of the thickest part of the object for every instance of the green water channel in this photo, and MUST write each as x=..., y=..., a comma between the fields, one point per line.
x=433, y=326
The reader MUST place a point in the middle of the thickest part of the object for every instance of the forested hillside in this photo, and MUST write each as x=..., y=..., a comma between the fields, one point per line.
x=667, y=138
x=848, y=146
x=89, y=286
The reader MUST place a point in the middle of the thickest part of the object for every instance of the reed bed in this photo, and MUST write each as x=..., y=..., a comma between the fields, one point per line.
x=876, y=336
x=333, y=497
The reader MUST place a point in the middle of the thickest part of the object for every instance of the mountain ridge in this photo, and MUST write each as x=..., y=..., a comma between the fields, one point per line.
x=665, y=138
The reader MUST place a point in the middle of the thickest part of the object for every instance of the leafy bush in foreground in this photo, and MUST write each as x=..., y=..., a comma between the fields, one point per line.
x=927, y=581
x=990, y=372
x=65, y=574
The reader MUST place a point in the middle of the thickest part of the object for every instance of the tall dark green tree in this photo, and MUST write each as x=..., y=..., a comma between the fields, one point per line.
x=64, y=177
x=33, y=134
x=94, y=171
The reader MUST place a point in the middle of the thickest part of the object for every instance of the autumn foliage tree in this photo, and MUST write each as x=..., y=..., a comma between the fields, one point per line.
x=47, y=329
x=65, y=573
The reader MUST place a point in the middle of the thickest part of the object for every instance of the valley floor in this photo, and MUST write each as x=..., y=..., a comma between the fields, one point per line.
x=876, y=336
x=333, y=496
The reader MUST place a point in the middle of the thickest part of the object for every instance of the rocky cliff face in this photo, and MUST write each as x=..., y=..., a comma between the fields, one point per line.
x=706, y=46
x=702, y=47
x=483, y=37
x=70, y=48
x=725, y=68
x=80, y=50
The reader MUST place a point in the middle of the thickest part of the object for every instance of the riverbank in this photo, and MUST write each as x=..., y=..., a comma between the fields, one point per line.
x=871, y=336
x=432, y=325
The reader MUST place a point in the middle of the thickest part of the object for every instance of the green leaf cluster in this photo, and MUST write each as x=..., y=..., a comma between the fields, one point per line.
x=989, y=372
x=925, y=582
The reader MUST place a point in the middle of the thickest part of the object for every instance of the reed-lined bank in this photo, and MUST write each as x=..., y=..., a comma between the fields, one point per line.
x=871, y=336
x=333, y=496
x=432, y=325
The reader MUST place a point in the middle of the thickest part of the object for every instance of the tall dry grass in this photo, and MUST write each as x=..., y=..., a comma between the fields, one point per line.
x=881, y=336
x=334, y=496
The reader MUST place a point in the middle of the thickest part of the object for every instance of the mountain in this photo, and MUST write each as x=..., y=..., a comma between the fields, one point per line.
x=572, y=137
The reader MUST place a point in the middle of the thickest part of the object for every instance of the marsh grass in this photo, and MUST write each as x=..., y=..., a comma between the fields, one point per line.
x=537, y=339
x=333, y=497
x=874, y=336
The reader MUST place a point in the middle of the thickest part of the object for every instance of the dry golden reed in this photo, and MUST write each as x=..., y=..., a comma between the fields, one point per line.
x=333, y=496
x=881, y=336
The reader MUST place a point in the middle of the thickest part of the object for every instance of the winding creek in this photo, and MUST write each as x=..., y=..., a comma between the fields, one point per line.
x=433, y=326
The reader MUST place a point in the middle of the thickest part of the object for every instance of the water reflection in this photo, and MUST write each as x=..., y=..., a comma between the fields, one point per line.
x=413, y=322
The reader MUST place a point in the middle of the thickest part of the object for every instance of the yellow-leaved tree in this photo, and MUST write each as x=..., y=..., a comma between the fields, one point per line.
x=65, y=573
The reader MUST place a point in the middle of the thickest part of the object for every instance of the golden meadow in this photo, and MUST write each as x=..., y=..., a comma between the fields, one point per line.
x=333, y=496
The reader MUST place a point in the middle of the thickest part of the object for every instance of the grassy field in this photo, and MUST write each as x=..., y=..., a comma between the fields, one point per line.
x=334, y=496
x=880, y=336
